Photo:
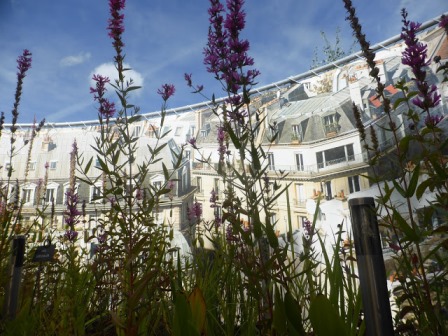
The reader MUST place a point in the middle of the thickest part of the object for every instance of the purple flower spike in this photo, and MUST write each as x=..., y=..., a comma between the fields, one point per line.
x=166, y=91
x=414, y=56
x=106, y=108
x=192, y=142
x=226, y=54
x=71, y=235
x=444, y=22
x=116, y=27
x=24, y=63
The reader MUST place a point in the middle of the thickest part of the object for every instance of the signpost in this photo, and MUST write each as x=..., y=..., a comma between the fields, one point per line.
x=372, y=274
x=12, y=292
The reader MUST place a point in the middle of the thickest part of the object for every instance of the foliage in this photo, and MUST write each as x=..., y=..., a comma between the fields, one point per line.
x=249, y=284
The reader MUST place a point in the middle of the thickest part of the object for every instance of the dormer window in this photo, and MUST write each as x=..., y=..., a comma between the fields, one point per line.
x=331, y=123
x=178, y=131
x=297, y=132
x=95, y=193
x=32, y=165
x=28, y=192
x=51, y=193
x=137, y=131
x=53, y=165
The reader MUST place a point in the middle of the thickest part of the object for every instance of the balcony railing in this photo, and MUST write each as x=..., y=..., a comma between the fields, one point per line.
x=341, y=163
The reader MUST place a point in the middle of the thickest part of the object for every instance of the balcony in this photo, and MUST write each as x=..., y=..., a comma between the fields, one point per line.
x=324, y=167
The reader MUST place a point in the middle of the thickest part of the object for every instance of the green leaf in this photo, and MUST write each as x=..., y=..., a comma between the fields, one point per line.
x=198, y=309
x=325, y=318
x=399, y=188
x=236, y=142
x=293, y=315
x=404, y=144
x=410, y=234
x=166, y=174
x=89, y=163
x=421, y=189
x=414, y=180
x=279, y=313
x=398, y=102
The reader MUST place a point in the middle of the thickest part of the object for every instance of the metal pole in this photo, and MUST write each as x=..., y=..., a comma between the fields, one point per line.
x=372, y=273
x=17, y=258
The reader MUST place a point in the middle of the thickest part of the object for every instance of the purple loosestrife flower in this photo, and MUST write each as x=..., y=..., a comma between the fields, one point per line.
x=166, y=91
x=192, y=142
x=189, y=81
x=116, y=29
x=194, y=212
x=222, y=148
x=71, y=235
x=433, y=120
x=414, y=56
x=106, y=108
x=307, y=227
x=72, y=213
x=226, y=54
x=23, y=65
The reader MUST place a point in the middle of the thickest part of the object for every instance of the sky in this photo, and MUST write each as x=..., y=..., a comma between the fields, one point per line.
x=163, y=40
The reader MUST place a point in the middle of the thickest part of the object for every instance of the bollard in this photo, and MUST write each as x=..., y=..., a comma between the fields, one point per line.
x=12, y=294
x=372, y=273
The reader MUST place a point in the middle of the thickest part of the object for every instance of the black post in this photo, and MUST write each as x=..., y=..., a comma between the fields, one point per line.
x=372, y=273
x=12, y=295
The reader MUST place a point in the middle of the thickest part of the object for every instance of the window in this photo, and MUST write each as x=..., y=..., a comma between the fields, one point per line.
x=297, y=131
x=271, y=163
x=28, y=195
x=350, y=152
x=331, y=123
x=49, y=195
x=157, y=185
x=53, y=165
x=95, y=193
x=7, y=166
x=300, y=193
x=137, y=130
x=199, y=184
x=328, y=190
x=299, y=162
x=303, y=220
x=32, y=165
x=187, y=154
x=335, y=155
x=273, y=218
x=216, y=186
x=178, y=131
x=353, y=183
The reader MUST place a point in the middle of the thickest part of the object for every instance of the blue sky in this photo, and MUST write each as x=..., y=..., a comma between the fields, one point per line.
x=163, y=40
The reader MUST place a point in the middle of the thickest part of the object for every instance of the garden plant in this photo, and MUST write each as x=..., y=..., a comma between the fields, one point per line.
x=249, y=284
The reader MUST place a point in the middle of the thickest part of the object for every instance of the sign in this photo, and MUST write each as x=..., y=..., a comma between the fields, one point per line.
x=44, y=253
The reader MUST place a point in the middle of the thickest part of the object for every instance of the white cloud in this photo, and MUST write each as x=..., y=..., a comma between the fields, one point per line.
x=108, y=70
x=74, y=59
